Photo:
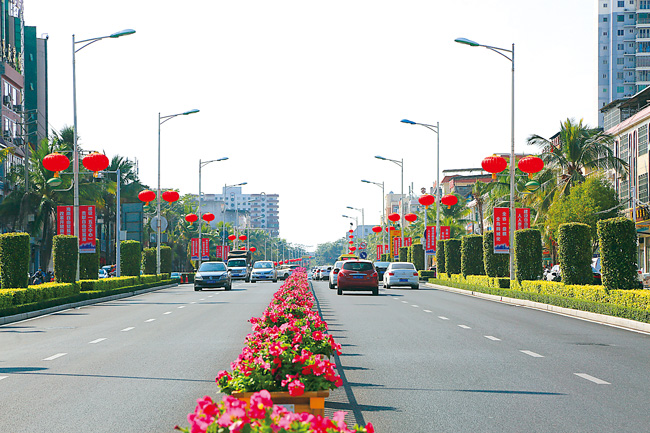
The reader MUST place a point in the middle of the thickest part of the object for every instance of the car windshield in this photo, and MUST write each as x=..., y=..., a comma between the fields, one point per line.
x=174, y=274
x=212, y=267
x=402, y=266
x=263, y=265
x=237, y=263
x=357, y=266
x=338, y=265
x=381, y=264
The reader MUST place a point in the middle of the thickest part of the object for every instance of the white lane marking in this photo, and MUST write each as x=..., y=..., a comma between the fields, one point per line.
x=96, y=341
x=416, y=306
x=533, y=354
x=443, y=318
x=168, y=312
x=489, y=337
x=464, y=326
x=202, y=299
x=149, y=320
x=3, y=377
x=58, y=355
x=593, y=379
x=182, y=306
x=427, y=311
x=405, y=302
x=210, y=296
x=128, y=329
x=192, y=302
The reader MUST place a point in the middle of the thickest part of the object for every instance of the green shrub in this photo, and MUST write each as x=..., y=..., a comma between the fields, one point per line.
x=149, y=263
x=65, y=250
x=89, y=265
x=528, y=254
x=130, y=258
x=440, y=257
x=14, y=260
x=417, y=256
x=496, y=265
x=165, y=259
x=425, y=275
x=574, y=248
x=618, y=256
x=452, y=256
x=403, y=254
x=385, y=257
x=471, y=255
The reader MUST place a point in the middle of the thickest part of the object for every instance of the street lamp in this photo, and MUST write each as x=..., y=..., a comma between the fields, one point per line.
x=363, y=220
x=161, y=120
x=75, y=162
x=500, y=52
x=401, y=205
x=435, y=128
x=201, y=165
x=383, y=208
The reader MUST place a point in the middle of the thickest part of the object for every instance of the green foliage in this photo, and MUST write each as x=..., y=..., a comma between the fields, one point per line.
x=452, y=256
x=425, y=275
x=528, y=254
x=575, y=252
x=165, y=259
x=618, y=256
x=471, y=255
x=440, y=257
x=65, y=250
x=496, y=265
x=89, y=264
x=130, y=258
x=14, y=259
x=417, y=256
x=403, y=254
x=328, y=252
x=385, y=258
x=149, y=263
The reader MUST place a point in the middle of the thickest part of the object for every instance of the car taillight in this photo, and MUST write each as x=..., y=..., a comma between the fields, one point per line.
x=374, y=274
x=415, y=274
x=391, y=273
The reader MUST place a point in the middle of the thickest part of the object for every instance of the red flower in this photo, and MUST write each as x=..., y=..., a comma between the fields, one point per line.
x=296, y=388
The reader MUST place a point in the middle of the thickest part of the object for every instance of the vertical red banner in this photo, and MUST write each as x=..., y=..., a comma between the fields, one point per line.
x=226, y=251
x=65, y=221
x=522, y=215
x=219, y=251
x=205, y=250
x=408, y=241
x=87, y=231
x=380, y=251
x=445, y=232
x=397, y=243
x=194, y=249
x=430, y=239
x=501, y=230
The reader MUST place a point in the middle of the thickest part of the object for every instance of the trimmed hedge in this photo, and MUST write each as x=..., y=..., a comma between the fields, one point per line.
x=149, y=263
x=385, y=258
x=481, y=280
x=496, y=265
x=452, y=256
x=89, y=265
x=440, y=257
x=416, y=251
x=574, y=250
x=403, y=254
x=471, y=255
x=165, y=259
x=130, y=258
x=105, y=284
x=618, y=256
x=425, y=275
x=528, y=254
x=65, y=250
x=14, y=260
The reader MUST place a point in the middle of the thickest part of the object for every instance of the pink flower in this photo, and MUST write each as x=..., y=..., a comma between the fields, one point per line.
x=296, y=388
x=260, y=401
x=223, y=373
x=370, y=428
x=317, y=335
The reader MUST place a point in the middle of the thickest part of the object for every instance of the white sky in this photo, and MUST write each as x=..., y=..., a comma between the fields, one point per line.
x=301, y=95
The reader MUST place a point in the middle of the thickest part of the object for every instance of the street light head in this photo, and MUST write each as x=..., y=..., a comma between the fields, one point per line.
x=222, y=159
x=380, y=157
x=466, y=41
x=124, y=32
x=365, y=181
x=190, y=112
x=243, y=183
x=349, y=207
x=410, y=122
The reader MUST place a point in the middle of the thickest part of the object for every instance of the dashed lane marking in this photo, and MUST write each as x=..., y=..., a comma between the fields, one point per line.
x=416, y=306
x=58, y=355
x=489, y=337
x=405, y=302
x=427, y=311
x=593, y=379
x=464, y=326
x=443, y=317
x=149, y=320
x=96, y=341
x=533, y=354
x=182, y=306
x=128, y=329
x=3, y=377
x=168, y=312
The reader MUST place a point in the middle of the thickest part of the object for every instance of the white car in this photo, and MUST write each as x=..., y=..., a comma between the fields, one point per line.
x=401, y=274
x=324, y=272
x=334, y=273
x=264, y=270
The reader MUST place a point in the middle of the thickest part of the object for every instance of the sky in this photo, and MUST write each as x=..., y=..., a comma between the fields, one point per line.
x=301, y=95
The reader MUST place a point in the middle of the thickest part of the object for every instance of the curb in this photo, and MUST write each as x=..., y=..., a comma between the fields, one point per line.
x=30, y=315
x=620, y=322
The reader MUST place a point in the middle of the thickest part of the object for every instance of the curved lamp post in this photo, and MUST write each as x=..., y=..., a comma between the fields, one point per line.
x=383, y=208
x=501, y=51
x=200, y=212
x=401, y=205
x=363, y=220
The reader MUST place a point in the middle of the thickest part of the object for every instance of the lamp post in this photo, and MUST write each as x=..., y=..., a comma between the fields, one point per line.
x=501, y=51
x=435, y=128
x=75, y=162
x=401, y=205
x=201, y=165
x=363, y=220
x=383, y=209
x=356, y=221
x=161, y=120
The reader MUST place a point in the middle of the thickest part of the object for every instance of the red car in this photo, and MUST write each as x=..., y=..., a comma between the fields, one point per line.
x=357, y=275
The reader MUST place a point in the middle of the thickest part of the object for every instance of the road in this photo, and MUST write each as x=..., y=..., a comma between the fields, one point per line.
x=413, y=361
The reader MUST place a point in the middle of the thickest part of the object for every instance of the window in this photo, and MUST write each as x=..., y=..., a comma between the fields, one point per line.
x=619, y=61
x=643, y=143
x=604, y=19
x=604, y=47
x=620, y=18
x=620, y=89
x=643, y=188
x=620, y=47
x=604, y=33
x=621, y=4
x=605, y=62
x=619, y=75
x=620, y=32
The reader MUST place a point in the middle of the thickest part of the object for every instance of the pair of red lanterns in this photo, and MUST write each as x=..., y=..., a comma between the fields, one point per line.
x=58, y=162
x=528, y=164
x=148, y=196
x=241, y=238
x=192, y=217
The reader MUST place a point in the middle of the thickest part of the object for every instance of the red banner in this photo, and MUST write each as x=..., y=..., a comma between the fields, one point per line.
x=522, y=216
x=87, y=230
x=194, y=249
x=65, y=220
x=380, y=251
x=408, y=241
x=431, y=241
x=397, y=243
x=205, y=251
x=501, y=230
x=445, y=232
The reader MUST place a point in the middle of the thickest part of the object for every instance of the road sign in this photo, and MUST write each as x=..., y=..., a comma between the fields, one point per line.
x=363, y=255
x=163, y=223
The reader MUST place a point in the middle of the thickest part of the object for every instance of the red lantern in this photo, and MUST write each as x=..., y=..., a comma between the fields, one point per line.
x=56, y=162
x=275, y=263
x=232, y=237
x=353, y=248
x=147, y=196
x=242, y=238
x=410, y=217
x=530, y=165
x=242, y=248
x=388, y=229
x=253, y=249
x=449, y=200
x=351, y=237
x=191, y=217
x=351, y=242
x=376, y=229
x=394, y=217
x=207, y=217
x=95, y=162
x=350, y=231
x=494, y=164
x=427, y=200
x=170, y=196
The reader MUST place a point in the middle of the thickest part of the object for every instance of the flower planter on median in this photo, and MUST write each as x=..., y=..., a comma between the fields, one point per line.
x=312, y=402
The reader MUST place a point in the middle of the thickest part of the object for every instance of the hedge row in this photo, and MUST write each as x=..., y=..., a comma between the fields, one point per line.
x=14, y=259
x=575, y=253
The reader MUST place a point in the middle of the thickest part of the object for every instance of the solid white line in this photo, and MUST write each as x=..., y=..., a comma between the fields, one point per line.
x=168, y=312
x=128, y=329
x=443, y=318
x=58, y=355
x=489, y=337
x=427, y=311
x=533, y=354
x=96, y=341
x=149, y=320
x=464, y=326
x=591, y=378
x=182, y=306
x=416, y=306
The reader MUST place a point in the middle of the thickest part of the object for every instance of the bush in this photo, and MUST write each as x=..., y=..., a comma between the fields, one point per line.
x=14, y=260
x=574, y=250
x=130, y=258
x=496, y=265
x=425, y=275
x=149, y=263
x=618, y=256
x=471, y=255
x=385, y=258
x=440, y=257
x=452, y=256
x=528, y=254
x=165, y=259
x=89, y=265
x=417, y=256
x=403, y=254
x=65, y=250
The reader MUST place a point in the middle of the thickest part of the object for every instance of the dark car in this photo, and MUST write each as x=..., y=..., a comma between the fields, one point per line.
x=381, y=268
x=357, y=275
x=212, y=275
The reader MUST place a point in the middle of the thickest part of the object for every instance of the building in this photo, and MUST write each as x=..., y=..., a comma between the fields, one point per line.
x=623, y=50
x=35, y=108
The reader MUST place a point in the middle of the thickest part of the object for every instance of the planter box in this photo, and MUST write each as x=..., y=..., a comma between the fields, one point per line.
x=312, y=402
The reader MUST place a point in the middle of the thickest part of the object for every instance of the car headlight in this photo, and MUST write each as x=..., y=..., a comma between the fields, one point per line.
x=197, y=277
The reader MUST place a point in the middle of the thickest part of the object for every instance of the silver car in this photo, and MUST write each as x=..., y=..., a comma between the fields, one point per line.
x=264, y=270
x=401, y=274
x=334, y=273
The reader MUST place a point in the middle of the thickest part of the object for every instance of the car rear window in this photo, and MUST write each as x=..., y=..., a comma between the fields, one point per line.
x=357, y=266
x=403, y=266
x=212, y=267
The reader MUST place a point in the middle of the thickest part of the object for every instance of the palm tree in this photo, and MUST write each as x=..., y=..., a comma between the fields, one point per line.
x=480, y=192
